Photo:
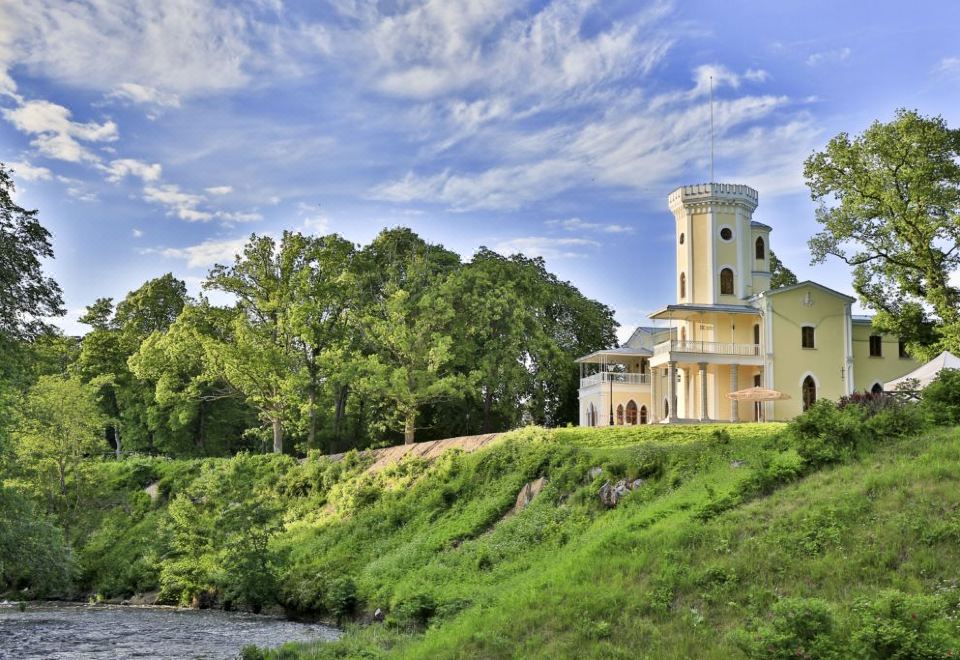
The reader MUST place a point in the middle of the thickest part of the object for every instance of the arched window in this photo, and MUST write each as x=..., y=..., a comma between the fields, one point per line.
x=631, y=412
x=681, y=238
x=726, y=282
x=756, y=333
x=666, y=409
x=761, y=251
x=877, y=388
x=809, y=389
x=591, y=416
x=620, y=415
x=683, y=285
x=643, y=414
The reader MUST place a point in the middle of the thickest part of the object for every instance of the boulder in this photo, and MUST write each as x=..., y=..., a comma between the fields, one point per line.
x=610, y=495
x=527, y=493
x=737, y=463
x=595, y=472
x=378, y=615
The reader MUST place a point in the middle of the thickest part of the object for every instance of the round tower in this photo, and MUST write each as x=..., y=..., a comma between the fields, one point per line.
x=716, y=239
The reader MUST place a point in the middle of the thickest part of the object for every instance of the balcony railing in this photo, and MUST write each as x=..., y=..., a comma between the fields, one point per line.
x=615, y=377
x=715, y=347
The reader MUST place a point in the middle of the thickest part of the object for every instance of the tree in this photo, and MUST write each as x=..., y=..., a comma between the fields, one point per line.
x=26, y=295
x=780, y=275
x=260, y=360
x=890, y=207
x=59, y=433
x=406, y=320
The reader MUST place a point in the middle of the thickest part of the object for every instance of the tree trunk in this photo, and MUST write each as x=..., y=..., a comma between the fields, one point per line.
x=340, y=408
x=277, y=436
x=312, y=429
x=408, y=427
x=116, y=437
x=487, y=406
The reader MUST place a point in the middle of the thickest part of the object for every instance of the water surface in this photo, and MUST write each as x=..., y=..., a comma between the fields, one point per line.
x=73, y=631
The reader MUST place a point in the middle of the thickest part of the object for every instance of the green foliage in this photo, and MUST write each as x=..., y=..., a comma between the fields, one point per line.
x=780, y=275
x=894, y=198
x=26, y=295
x=797, y=628
x=941, y=398
x=898, y=625
x=33, y=552
x=826, y=433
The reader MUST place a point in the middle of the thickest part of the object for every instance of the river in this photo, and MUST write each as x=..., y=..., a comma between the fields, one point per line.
x=74, y=631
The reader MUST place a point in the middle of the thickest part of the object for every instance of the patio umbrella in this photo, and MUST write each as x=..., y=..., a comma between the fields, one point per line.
x=757, y=394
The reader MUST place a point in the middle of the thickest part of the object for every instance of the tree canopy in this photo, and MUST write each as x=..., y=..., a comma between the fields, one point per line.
x=890, y=208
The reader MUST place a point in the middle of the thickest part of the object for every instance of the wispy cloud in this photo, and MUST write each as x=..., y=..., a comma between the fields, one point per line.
x=547, y=247
x=576, y=224
x=57, y=135
x=123, y=167
x=828, y=57
x=203, y=254
x=28, y=172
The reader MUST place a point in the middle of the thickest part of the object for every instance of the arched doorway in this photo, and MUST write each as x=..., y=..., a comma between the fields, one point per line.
x=631, y=412
x=620, y=415
x=809, y=390
x=591, y=416
x=643, y=414
x=877, y=388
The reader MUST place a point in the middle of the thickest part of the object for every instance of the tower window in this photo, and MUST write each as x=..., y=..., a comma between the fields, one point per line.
x=760, y=248
x=876, y=346
x=756, y=333
x=683, y=285
x=682, y=236
x=726, y=233
x=726, y=282
x=807, y=337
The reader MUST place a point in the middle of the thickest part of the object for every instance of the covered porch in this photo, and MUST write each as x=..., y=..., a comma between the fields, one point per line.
x=615, y=387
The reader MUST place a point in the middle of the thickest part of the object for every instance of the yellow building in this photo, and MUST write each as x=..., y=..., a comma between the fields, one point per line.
x=729, y=330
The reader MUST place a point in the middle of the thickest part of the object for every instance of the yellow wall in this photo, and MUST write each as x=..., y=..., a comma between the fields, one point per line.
x=726, y=254
x=602, y=403
x=701, y=248
x=826, y=362
x=760, y=282
x=869, y=370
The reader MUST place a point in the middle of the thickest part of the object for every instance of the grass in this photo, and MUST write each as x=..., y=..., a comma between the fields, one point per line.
x=728, y=531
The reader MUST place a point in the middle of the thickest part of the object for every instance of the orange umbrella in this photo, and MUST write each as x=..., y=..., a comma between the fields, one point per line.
x=757, y=394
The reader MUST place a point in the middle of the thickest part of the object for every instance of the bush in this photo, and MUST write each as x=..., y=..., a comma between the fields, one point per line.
x=826, y=433
x=798, y=628
x=941, y=398
x=896, y=625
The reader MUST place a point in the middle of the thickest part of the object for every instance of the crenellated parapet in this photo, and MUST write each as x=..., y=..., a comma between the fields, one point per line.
x=709, y=194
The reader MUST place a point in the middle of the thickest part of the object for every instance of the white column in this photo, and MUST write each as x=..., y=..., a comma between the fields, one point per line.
x=704, y=416
x=734, y=411
x=654, y=401
x=672, y=389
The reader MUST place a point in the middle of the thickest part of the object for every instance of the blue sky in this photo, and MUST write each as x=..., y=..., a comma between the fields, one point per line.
x=156, y=136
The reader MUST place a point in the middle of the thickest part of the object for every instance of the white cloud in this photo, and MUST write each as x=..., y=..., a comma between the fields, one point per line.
x=318, y=224
x=238, y=216
x=576, y=224
x=206, y=253
x=27, y=172
x=219, y=190
x=949, y=65
x=58, y=136
x=828, y=57
x=137, y=233
x=143, y=95
x=179, y=203
x=546, y=247
x=120, y=168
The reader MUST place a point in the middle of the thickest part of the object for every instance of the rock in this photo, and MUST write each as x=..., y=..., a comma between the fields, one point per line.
x=378, y=615
x=153, y=490
x=527, y=493
x=148, y=598
x=737, y=464
x=595, y=472
x=635, y=484
x=611, y=495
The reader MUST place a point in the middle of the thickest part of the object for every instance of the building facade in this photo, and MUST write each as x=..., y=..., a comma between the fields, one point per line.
x=728, y=330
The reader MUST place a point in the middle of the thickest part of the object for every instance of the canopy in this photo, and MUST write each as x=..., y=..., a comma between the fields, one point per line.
x=757, y=394
x=925, y=374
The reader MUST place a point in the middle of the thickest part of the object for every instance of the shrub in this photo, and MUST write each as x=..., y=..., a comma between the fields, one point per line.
x=898, y=420
x=941, y=398
x=798, y=628
x=341, y=597
x=826, y=433
x=897, y=625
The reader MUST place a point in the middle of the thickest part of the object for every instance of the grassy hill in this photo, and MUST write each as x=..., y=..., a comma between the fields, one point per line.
x=739, y=541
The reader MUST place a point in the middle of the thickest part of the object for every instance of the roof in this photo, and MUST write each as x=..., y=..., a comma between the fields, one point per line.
x=622, y=352
x=671, y=311
x=862, y=318
x=760, y=225
x=800, y=285
x=925, y=374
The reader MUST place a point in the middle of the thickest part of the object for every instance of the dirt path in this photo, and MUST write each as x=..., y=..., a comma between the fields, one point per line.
x=428, y=450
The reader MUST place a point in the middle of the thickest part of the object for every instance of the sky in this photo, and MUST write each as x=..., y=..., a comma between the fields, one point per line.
x=156, y=137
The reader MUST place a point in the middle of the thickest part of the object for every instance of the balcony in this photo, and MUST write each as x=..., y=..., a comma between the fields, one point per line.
x=707, y=351
x=615, y=377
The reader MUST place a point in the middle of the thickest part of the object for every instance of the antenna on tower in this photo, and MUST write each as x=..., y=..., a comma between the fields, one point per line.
x=711, y=129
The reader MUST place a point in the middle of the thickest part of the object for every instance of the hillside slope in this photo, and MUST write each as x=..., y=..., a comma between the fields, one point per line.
x=730, y=544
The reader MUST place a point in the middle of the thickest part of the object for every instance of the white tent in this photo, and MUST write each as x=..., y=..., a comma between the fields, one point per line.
x=925, y=374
